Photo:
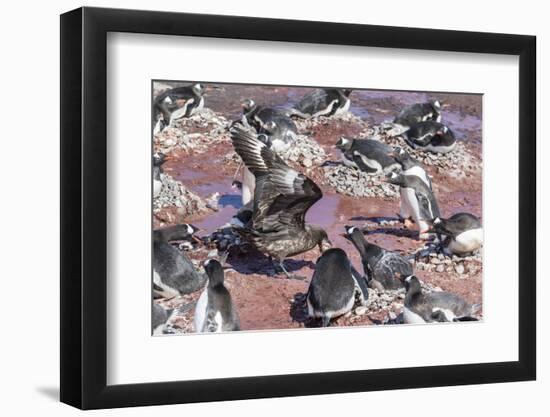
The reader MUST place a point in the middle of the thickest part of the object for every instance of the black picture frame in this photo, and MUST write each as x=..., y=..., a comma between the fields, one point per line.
x=84, y=207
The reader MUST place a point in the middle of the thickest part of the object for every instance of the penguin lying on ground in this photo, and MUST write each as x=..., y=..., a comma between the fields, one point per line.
x=434, y=306
x=417, y=200
x=415, y=113
x=173, y=272
x=215, y=311
x=383, y=267
x=431, y=137
x=257, y=116
x=323, y=102
x=176, y=103
x=333, y=288
x=464, y=233
x=368, y=155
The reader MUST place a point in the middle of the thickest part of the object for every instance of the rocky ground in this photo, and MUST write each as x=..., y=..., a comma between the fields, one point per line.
x=198, y=190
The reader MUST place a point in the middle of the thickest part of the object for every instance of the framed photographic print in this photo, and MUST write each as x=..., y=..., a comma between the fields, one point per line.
x=252, y=207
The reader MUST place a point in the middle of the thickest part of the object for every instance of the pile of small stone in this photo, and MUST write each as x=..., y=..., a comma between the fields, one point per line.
x=174, y=194
x=195, y=133
x=440, y=263
x=356, y=183
x=456, y=163
x=304, y=151
x=306, y=125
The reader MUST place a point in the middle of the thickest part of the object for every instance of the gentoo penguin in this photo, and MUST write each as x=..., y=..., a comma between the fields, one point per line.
x=435, y=306
x=176, y=103
x=323, y=102
x=464, y=233
x=159, y=317
x=382, y=266
x=409, y=167
x=282, y=197
x=333, y=288
x=368, y=155
x=415, y=113
x=173, y=272
x=418, y=201
x=431, y=136
x=257, y=116
x=158, y=160
x=215, y=311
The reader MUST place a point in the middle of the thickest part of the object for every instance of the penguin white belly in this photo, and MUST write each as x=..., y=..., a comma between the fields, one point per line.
x=409, y=204
x=159, y=330
x=467, y=242
x=419, y=172
x=371, y=163
x=157, y=186
x=344, y=108
x=410, y=317
x=158, y=127
x=181, y=112
x=440, y=149
x=330, y=313
x=326, y=110
x=199, y=320
x=165, y=290
x=249, y=184
x=199, y=107
x=349, y=163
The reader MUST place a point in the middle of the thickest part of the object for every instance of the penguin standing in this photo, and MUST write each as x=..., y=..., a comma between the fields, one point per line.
x=215, y=311
x=177, y=103
x=417, y=201
x=416, y=113
x=323, y=102
x=173, y=272
x=435, y=306
x=431, y=136
x=368, y=155
x=464, y=233
x=409, y=167
x=158, y=160
x=383, y=268
x=333, y=288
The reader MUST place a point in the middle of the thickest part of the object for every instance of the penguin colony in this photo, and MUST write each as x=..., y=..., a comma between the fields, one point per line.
x=276, y=198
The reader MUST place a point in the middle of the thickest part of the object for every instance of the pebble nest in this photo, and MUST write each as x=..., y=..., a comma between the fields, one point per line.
x=194, y=133
x=448, y=264
x=356, y=183
x=304, y=151
x=305, y=125
x=174, y=194
x=457, y=163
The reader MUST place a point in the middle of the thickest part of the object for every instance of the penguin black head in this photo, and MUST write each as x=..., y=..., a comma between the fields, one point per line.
x=214, y=271
x=442, y=131
x=355, y=234
x=347, y=91
x=412, y=283
x=158, y=159
x=394, y=178
x=197, y=89
x=344, y=144
x=248, y=105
